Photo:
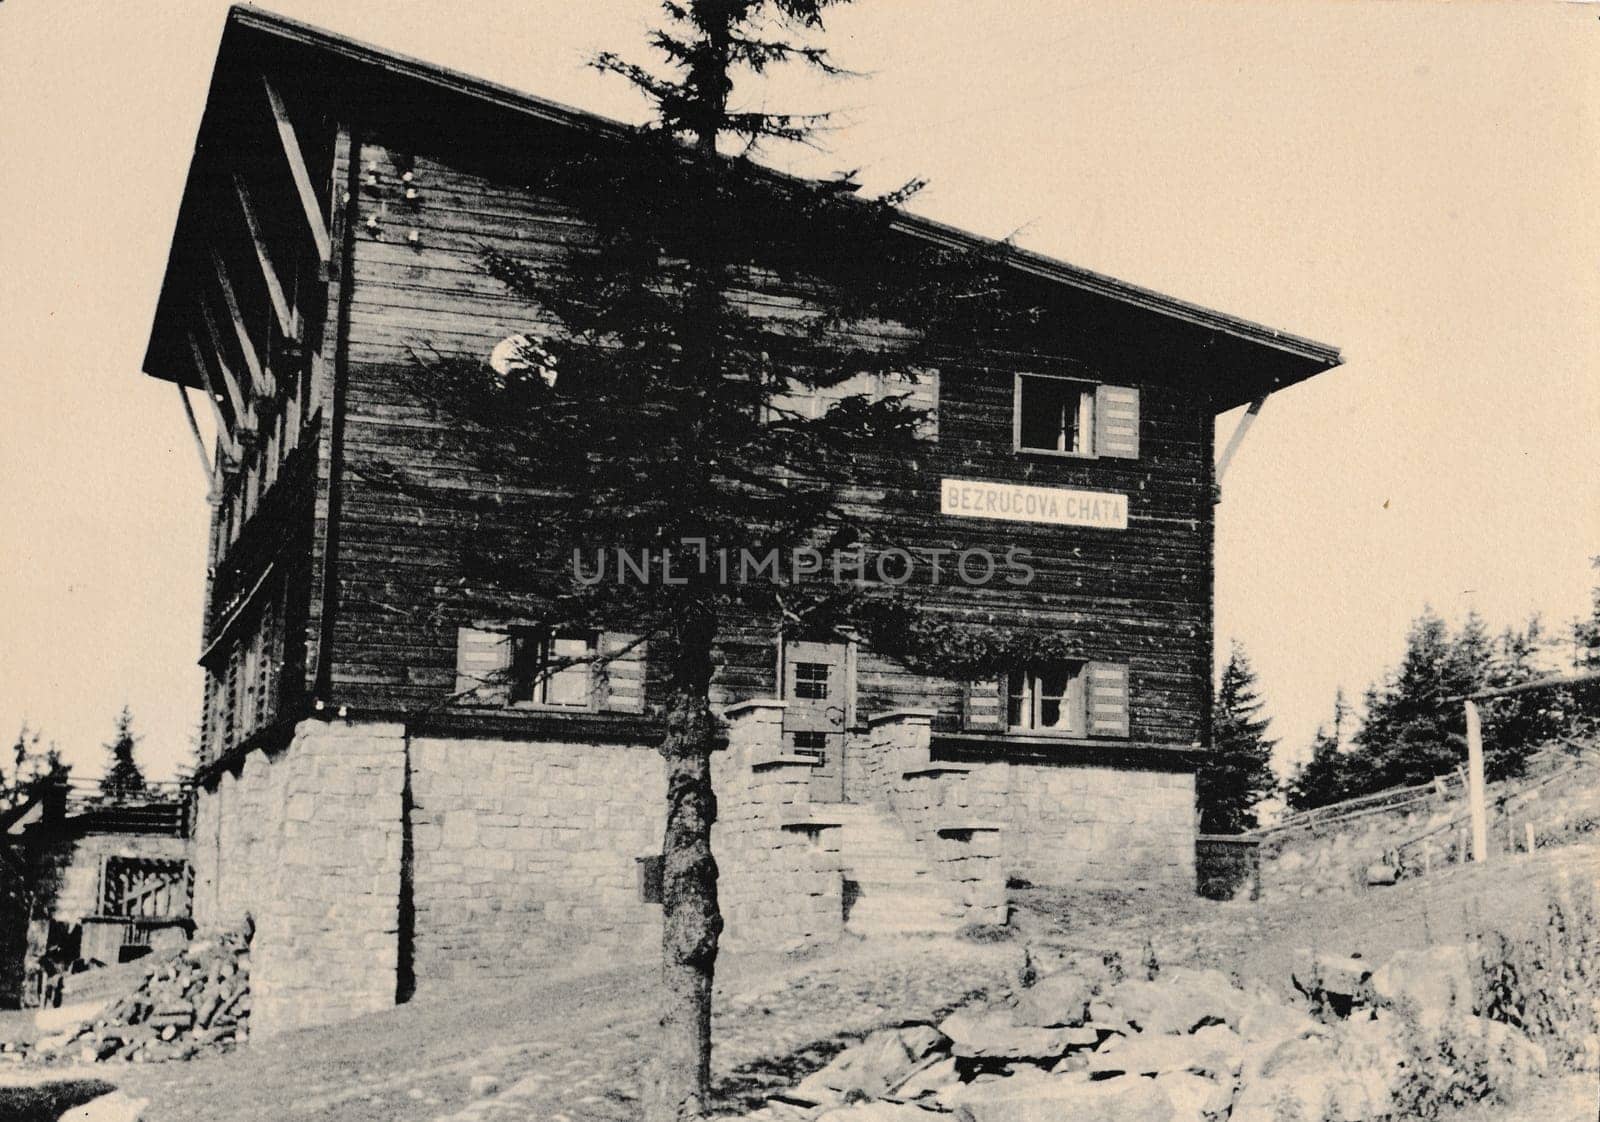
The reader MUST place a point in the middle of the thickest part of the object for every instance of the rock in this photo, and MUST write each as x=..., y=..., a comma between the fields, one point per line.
x=1195, y=1098
x=115, y=1107
x=878, y=1112
x=1269, y=1021
x=1427, y=985
x=1325, y=1094
x=1339, y=982
x=1068, y=1097
x=928, y=1080
x=873, y=1068
x=1056, y=1001
x=1381, y=874
x=482, y=1086
x=990, y=1033
x=1215, y=1051
x=1178, y=1001
x=1375, y=1050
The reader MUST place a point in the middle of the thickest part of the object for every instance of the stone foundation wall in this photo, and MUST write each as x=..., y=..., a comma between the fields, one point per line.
x=307, y=841
x=1091, y=824
x=524, y=853
x=1058, y=823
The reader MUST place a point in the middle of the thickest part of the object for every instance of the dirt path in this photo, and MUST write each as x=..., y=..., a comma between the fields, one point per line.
x=570, y=1047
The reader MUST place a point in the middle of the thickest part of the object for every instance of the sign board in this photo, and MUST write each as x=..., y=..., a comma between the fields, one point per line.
x=1014, y=502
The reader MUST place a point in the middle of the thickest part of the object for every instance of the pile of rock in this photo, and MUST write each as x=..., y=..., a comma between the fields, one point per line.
x=196, y=1001
x=1183, y=1046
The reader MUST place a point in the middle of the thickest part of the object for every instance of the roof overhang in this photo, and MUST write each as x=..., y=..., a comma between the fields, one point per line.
x=1235, y=360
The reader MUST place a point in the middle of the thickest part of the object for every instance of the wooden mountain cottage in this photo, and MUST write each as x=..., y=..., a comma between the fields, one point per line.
x=387, y=828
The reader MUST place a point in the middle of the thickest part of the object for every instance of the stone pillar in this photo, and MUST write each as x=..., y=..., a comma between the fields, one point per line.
x=755, y=729
x=781, y=885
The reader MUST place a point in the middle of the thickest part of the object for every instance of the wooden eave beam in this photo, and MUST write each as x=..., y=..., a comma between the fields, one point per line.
x=260, y=376
x=224, y=429
x=301, y=174
x=236, y=397
x=269, y=275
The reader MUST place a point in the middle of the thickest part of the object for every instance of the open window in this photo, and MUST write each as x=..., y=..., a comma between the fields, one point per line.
x=1058, y=416
x=1067, y=698
x=551, y=671
x=528, y=667
x=1047, y=699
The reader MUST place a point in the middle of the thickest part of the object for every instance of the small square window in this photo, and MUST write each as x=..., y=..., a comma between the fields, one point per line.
x=1054, y=415
x=811, y=680
x=810, y=744
x=551, y=671
x=1047, y=699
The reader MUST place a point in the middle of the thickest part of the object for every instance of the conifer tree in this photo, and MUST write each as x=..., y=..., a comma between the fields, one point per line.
x=122, y=777
x=1236, y=774
x=1326, y=776
x=31, y=764
x=649, y=407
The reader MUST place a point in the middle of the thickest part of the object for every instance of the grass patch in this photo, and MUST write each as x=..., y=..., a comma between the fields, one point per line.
x=46, y=1102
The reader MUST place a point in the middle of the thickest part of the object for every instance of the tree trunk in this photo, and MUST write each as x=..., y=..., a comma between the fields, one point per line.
x=691, y=921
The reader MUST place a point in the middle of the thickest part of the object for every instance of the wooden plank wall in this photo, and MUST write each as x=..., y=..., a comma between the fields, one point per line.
x=1141, y=596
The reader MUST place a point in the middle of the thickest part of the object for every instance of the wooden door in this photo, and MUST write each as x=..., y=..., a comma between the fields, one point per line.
x=816, y=686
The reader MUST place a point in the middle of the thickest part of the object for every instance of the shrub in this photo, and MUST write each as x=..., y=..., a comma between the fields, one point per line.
x=1545, y=984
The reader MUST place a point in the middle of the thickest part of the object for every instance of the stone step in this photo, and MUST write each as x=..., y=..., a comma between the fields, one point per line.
x=896, y=890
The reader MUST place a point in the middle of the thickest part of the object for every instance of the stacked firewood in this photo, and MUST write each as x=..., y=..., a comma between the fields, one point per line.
x=194, y=1002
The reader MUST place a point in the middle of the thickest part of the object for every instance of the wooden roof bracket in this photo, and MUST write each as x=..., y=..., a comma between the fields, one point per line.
x=236, y=397
x=199, y=441
x=259, y=375
x=287, y=322
x=1234, y=441
x=230, y=445
x=301, y=174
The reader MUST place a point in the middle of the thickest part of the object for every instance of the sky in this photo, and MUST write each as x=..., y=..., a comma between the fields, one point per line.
x=1411, y=182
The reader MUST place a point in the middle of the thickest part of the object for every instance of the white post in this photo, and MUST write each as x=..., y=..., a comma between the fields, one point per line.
x=1529, y=827
x=1475, y=800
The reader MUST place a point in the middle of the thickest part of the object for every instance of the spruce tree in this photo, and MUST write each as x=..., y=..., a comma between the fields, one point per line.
x=1236, y=774
x=650, y=408
x=1326, y=777
x=123, y=777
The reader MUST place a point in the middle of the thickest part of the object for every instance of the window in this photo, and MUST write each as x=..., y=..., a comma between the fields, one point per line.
x=813, y=744
x=551, y=671
x=1054, y=415
x=1048, y=699
x=811, y=680
x=919, y=388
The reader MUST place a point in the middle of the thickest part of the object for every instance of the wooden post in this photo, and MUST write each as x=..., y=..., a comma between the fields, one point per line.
x=1475, y=798
x=1528, y=826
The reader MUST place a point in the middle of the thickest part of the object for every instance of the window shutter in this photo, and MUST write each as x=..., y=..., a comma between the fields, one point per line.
x=1108, y=699
x=1116, y=411
x=482, y=658
x=984, y=707
x=621, y=672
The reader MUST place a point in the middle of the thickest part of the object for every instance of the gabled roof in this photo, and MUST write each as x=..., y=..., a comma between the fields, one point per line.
x=1244, y=360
